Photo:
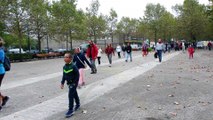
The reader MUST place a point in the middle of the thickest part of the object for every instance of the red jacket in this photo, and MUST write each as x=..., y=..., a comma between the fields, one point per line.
x=191, y=50
x=92, y=51
x=209, y=44
x=109, y=50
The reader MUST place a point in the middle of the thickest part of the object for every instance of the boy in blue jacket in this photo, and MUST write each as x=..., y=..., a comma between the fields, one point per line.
x=71, y=76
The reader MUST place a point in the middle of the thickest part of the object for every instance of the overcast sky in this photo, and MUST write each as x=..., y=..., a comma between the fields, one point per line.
x=130, y=8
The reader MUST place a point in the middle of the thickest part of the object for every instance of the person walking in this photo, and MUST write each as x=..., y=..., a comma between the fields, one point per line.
x=169, y=47
x=144, y=49
x=99, y=55
x=118, y=50
x=209, y=45
x=109, y=51
x=191, y=51
x=183, y=47
x=128, y=52
x=159, y=49
x=80, y=61
x=92, y=52
x=71, y=76
x=3, y=99
x=123, y=49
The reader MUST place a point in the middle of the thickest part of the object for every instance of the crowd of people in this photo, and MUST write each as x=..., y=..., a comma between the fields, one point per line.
x=74, y=67
x=73, y=70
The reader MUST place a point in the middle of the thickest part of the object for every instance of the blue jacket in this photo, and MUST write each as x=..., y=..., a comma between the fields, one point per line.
x=82, y=58
x=2, y=55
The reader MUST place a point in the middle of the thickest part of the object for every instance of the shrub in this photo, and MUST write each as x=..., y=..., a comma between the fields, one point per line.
x=149, y=49
x=20, y=57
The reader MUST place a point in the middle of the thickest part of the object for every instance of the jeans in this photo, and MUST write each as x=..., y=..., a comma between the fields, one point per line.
x=94, y=69
x=73, y=95
x=159, y=55
x=109, y=56
x=129, y=55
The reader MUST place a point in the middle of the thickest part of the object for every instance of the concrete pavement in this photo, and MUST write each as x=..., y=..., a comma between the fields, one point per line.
x=175, y=89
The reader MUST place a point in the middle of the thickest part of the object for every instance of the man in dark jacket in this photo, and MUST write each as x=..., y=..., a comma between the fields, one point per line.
x=71, y=76
x=128, y=52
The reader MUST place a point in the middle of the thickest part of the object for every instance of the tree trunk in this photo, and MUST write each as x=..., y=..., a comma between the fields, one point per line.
x=48, y=44
x=193, y=37
x=71, y=40
x=39, y=43
x=112, y=37
x=67, y=41
x=155, y=37
x=20, y=45
x=95, y=39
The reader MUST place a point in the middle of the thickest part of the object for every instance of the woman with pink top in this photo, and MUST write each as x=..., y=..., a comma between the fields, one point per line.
x=80, y=61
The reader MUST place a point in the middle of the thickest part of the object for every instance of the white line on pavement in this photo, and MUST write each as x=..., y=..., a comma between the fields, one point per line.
x=89, y=93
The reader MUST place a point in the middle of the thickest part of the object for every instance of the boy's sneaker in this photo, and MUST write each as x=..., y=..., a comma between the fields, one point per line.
x=77, y=107
x=5, y=100
x=69, y=113
x=0, y=108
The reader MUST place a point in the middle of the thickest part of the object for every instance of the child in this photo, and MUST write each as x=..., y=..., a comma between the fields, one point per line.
x=191, y=51
x=71, y=75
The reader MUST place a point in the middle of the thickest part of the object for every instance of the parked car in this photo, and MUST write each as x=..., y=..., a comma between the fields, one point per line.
x=200, y=44
x=47, y=50
x=16, y=50
x=61, y=50
x=32, y=51
x=134, y=46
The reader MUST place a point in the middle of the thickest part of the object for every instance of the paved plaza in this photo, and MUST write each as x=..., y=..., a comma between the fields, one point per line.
x=179, y=88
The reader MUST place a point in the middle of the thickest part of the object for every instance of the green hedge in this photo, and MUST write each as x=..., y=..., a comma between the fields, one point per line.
x=29, y=56
x=149, y=49
x=20, y=57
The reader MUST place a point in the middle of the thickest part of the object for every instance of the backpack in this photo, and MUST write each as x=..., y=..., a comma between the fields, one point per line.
x=6, y=63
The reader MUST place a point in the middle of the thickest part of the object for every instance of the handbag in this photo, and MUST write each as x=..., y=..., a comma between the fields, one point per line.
x=85, y=66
